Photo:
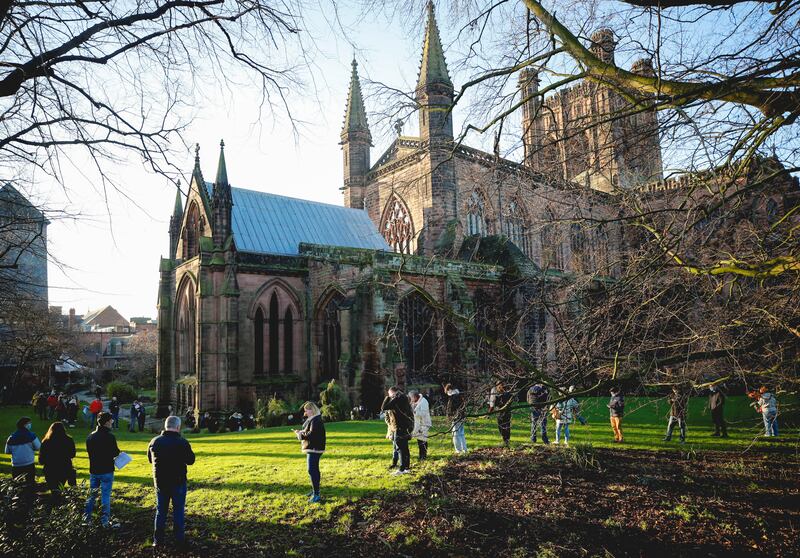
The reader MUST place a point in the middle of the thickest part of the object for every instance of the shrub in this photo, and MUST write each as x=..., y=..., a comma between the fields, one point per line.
x=335, y=403
x=35, y=527
x=123, y=392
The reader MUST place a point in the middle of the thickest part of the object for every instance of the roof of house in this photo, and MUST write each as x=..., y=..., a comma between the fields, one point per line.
x=105, y=317
x=272, y=224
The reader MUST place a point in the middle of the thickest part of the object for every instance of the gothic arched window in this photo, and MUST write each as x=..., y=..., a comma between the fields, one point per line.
x=331, y=343
x=772, y=211
x=552, y=249
x=274, y=335
x=577, y=239
x=397, y=227
x=418, y=334
x=258, y=342
x=601, y=250
x=191, y=233
x=476, y=222
x=515, y=227
x=187, y=329
x=276, y=343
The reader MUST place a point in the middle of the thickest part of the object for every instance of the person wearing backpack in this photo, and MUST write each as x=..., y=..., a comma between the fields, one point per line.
x=616, y=407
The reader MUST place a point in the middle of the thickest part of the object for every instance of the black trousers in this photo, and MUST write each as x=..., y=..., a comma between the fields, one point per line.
x=405, y=454
x=719, y=421
x=423, y=449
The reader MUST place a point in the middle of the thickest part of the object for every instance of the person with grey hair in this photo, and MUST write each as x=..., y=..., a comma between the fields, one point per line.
x=170, y=453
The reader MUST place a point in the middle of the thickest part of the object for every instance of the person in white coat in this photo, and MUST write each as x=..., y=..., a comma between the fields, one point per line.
x=422, y=421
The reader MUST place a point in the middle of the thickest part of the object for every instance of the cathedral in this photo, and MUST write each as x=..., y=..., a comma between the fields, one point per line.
x=265, y=294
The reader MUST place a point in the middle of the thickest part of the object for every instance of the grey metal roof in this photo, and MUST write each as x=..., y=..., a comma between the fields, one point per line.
x=271, y=224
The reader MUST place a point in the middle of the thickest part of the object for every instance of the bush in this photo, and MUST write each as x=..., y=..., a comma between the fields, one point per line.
x=335, y=403
x=123, y=392
x=273, y=412
x=36, y=527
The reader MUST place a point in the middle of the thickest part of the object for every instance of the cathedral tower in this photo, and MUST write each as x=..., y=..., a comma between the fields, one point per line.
x=434, y=88
x=222, y=202
x=356, y=141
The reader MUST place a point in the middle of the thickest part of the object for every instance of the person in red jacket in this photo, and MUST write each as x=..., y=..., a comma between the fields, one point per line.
x=95, y=407
x=52, y=403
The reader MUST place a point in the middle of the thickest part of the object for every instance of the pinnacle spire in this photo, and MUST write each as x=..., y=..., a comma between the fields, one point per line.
x=433, y=68
x=222, y=171
x=178, y=211
x=355, y=116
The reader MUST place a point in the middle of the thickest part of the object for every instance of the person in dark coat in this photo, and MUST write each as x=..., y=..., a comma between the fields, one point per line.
x=101, y=445
x=140, y=416
x=312, y=443
x=113, y=407
x=616, y=408
x=398, y=403
x=538, y=396
x=678, y=401
x=134, y=413
x=41, y=406
x=170, y=453
x=500, y=401
x=55, y=455
x=72, y=411
x=716, y=404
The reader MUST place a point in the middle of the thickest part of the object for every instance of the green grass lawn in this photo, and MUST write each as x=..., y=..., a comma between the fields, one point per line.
x=259, y=476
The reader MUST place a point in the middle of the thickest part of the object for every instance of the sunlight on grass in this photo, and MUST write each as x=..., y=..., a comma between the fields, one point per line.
x=261, y=475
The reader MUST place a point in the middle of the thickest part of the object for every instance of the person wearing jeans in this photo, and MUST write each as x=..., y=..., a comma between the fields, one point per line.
x=101, y=445
x=170, y=454
x=399, y=405
x=768, y=405
x=537, y=397
x=312, y=442
x=679, y=399
x=456, y=412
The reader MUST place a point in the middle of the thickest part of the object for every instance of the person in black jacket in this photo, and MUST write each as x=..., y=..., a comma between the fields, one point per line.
x=397, y=402
x=170, y=454
x=716, y=404
x=101, y=445
x=312, y=443
x=55, y=455
x=500, y=401
x=114, y=408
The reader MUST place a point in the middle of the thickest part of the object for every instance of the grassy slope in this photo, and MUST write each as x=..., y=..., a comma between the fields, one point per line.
x=258, y=477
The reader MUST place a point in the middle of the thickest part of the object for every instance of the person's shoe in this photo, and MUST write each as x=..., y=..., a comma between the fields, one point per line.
x=393, y=466
x=112, y=525
x=667, y=439
x=315, y=499
x=401, y=472
x=715, y=434
x=310, y=494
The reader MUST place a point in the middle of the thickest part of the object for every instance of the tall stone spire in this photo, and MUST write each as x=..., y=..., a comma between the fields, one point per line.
x=433, y=68
x=197, y=173
x=175, y=223
x=222, y=202
x=434, y=87
x=355, y=116
x=356, y=141
x=222, y=170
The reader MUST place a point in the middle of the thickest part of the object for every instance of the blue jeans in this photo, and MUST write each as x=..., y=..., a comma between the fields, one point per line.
x=539, y=423
x=116, y=420
x=770, y=424
x=395, y=450
x=103, y=484
x=163, y=496
x=313, y=470
x=459, y=440
x=565, y=426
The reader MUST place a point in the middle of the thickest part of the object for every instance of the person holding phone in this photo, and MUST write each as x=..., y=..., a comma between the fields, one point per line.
x=312, y=443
